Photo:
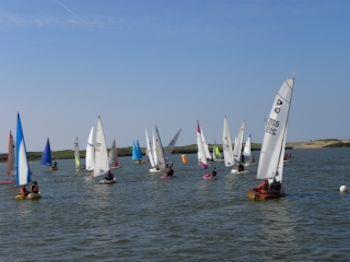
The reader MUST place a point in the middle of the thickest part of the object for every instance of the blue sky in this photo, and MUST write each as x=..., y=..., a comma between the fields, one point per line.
x=140, y=63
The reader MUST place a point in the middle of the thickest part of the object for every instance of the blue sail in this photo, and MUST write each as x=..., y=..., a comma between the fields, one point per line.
x=139, y=151
x=23, y=174
x=46, y=159
x=134, y=152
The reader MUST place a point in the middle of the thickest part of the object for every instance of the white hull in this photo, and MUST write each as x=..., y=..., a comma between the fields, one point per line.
x=235, y=171
x=154, y=170
x=104, y=181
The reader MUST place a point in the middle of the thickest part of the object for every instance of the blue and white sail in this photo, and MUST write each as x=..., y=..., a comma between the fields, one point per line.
x=22, y=170
x=46, y=159
x=139, y=151
x=136, y=151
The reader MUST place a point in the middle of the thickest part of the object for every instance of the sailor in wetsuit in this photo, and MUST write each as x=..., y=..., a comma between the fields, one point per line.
x=109, y=176
x=275, y=187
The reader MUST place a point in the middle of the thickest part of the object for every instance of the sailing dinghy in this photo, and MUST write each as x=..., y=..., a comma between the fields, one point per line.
x=202, y=157
x=101, y=163
x=270, y=167
x=46, y=159
x=237, y=152
x=23, y=173
x=157, y=150
x=136, y=153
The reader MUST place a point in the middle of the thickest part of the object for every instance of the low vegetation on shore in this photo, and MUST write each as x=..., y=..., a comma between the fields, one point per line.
x=192, y=149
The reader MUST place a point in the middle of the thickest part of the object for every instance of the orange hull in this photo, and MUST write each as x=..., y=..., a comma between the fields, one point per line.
x=257, y=196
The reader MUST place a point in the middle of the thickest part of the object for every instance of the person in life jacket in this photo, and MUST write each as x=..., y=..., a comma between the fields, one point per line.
x=109, y=176
x=23, y=192
x=170, y=172
x=54, y=165
x=214, y=173
x=263, y=187
x=275, y=187
x=240, y=167
x=34, y=188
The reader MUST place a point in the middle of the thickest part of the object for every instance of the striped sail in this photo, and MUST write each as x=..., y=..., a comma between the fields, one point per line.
x=272, y=150
x=23, y=173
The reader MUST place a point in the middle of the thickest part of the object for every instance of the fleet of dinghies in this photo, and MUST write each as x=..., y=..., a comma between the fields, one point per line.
x=99, y=161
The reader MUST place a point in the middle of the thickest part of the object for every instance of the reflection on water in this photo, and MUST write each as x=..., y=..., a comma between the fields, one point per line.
x=144, y=217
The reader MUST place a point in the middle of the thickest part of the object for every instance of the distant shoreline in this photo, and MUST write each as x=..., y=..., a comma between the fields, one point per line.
x=192, y=149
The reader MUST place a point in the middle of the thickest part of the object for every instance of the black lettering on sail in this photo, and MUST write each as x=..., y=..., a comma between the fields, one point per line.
x=272, y=126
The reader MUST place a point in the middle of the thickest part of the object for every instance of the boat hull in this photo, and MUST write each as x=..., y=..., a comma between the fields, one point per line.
x=258, y=196
x=154, y=170
x=235, y=171
x=107, y=182
x=30, y=196
x=209, y=177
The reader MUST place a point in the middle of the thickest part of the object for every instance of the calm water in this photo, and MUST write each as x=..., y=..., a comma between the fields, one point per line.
x=145, y=218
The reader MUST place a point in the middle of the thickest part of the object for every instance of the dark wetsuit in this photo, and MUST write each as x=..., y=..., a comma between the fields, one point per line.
x=109, y=176
x=170, y=172
x=275, y=187
x=35, y=189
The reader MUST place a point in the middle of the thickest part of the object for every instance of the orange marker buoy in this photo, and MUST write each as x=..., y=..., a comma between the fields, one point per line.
x=185, y=159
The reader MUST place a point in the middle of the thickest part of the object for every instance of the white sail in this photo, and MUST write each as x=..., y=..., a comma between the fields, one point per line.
x=90, y=152
x=237, y=151
x=149, y=151
x=76, y=153
x=202, y=158
x=247, y=152
x=113, y=155
x=154, y=151
x=213, y=155
x=272, y=150
x=205, y=145
x=159, y=150
x=227, y=145
x=101, y=165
